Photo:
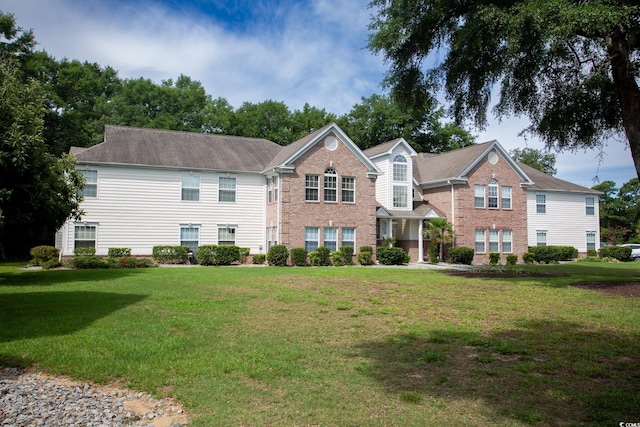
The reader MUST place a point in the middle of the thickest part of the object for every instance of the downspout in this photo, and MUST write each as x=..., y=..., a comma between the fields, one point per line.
x=453, y=216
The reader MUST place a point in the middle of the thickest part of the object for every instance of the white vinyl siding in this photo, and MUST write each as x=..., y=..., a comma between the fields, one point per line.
x=565, y=221
x=139, y=208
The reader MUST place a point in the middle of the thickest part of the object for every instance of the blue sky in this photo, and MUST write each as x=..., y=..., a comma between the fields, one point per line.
x=297, y=52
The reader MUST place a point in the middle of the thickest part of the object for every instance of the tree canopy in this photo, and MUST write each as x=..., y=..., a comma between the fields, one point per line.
x=543, y=161
x=619, y=211
x=570, y=66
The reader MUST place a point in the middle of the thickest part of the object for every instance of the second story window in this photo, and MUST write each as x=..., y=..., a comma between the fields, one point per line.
x=400, y=168
x=348, y=189
x=330, y=185
x=478, y=193
x=190, y=186
x=311, y=185
x=227, y=190
x=506, y=198
x=275, y=188
x=400, y=196
x=493, y=194
x=90, y=188
x=591, y=205
x=541, y=204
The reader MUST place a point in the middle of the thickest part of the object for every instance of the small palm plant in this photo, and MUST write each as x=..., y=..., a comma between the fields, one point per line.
x=440, y=231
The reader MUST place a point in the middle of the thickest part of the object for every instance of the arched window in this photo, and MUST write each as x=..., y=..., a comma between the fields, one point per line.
x=330, y=185
x=493, y=194
x=400, y=168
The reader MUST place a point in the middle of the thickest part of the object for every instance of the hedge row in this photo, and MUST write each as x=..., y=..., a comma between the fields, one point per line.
x=550, y=254
x=321, y=257
x=621, y=253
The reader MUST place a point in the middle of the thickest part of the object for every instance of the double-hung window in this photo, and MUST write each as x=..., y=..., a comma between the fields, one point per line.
x=311, y=238
x=590, y=205
x=541, y=204
x=190, y=237
x=506, y=198
x=400, y=168
x=400, y=196
x=226, y=235
x=90, y=188
x=492, y=197
x=311, y=185
x=481, y=241
x=84, y=236
x=226, y=189
x=349, y=237
x=478, y=195
x=330, y=185
x=591, y=240
x=330, y=238
x=275, y=188
x=269, y=191
x=494, y=242
x=541, y=238
x=190, y=186
x=348, y=189
x=507, y=241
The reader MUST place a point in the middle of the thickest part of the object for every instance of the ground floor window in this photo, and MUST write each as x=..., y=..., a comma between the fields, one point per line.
x=190, y=237
x=541, y=238
x=84, y=236
x=481, y=241
x=330, y=238
x=349, y=237
x=591, y=240
x=494, y=240
x=507, y=242
x=226, y=235
x=272, y=237
x=311, y=238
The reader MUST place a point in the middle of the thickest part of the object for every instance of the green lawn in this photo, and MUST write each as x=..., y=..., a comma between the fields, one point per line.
x=346, y=346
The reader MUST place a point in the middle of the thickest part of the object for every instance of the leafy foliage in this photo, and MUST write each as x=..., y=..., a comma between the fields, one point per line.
x=391, y=256
x=571, y=67
x=278, y=255
x=170, y=254
x=621, y=253
x=217, y=254
x=552, y=254
x=259, y=258
x=365, y=255
x=119, y=252
x=537, y=159
x=299, y=257
x=321, y=257
x=43, y=253
x=461, y=255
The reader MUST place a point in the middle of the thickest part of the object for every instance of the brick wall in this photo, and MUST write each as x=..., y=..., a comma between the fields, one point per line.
x=296, y=213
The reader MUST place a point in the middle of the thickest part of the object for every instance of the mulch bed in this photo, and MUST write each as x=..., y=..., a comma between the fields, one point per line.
x=623, y=289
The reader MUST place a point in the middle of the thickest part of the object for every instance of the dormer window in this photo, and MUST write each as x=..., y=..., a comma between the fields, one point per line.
x=400, y=168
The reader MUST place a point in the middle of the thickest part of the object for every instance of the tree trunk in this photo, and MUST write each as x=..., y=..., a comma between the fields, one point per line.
x=628, y=91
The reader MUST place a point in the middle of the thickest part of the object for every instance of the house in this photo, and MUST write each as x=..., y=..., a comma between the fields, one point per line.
x=147, y=187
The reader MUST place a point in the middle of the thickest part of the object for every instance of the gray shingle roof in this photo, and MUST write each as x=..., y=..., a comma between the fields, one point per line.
x=162, y=148
x=542, y=181
x=448, y=165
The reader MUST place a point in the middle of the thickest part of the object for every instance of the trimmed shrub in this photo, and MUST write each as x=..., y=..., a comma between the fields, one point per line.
x=84, y=251
x=217, y=254
x=52, y=263
x=119, y=252
x=461, y=255
x=621, y=253
x=494, y=258
x=278, y=255
x=244, y=254
x=259, y=258
x=366, y=249
x=84, y=262
x=321, y=257
x=299, y=257
x=391, y=256
x=129, y=262
x=364, y=258
x=170, y=254
x=553, y=254
x=43, y=253
x=336, y=258
x=347, y=255
x=528, y=258
x=512, y=260
x=592, y=253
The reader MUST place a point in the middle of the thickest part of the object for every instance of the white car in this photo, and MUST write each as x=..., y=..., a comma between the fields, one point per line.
x=635, y=250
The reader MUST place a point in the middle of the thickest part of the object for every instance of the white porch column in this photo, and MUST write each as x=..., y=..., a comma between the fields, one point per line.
x=390, y=230
x=420, y=241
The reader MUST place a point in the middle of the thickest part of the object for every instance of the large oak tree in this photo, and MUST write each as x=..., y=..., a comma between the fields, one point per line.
x=571, y=66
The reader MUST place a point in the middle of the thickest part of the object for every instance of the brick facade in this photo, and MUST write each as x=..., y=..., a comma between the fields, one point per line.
x=296, y=213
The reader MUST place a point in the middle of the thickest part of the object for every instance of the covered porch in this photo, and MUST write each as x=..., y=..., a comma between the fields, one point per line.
x=405, y=228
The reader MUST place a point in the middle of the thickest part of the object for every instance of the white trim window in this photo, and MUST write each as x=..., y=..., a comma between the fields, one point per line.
x=226, y=189
x=400, y=168
x=348, y=189
x=590, y=205
x=330, y=235
x=269, y=191
x=311, y=238
x=226, y=235
x=494, y=240
x=541, y=204
x=541, y=237
x=400, y=196
x=506, y=197
x=190, y=237
x=90, y=188
x=190, y=187
x=591, y=240
x=507, y=241
x=330, y=185
x=84, y=236
x=275, y=188
x=311, y=188
x=348, y=237
x=492, y=196
x=481, y=241
x=478, y=196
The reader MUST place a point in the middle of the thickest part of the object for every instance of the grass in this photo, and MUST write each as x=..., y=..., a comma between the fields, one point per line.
x=338, y=346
